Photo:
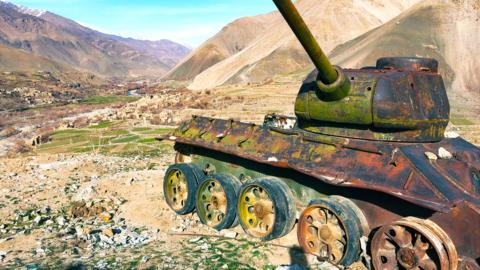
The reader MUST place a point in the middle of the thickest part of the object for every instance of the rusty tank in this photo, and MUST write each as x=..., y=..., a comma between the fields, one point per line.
x=363, y=172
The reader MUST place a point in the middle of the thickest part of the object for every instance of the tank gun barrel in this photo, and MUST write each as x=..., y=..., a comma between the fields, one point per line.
x=327, y=72
x=332, y=83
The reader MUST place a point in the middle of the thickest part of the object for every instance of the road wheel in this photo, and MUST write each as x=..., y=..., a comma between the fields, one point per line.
x=331, y=228
x=266, y=208
x=217, y=200
x=412, y=243
x=180, y=186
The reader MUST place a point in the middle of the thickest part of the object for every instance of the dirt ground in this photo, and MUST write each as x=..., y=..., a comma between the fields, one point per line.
x=50, y=186
x=92, y=197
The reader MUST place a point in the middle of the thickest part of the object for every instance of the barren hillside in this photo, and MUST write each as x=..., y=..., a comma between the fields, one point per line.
x=425, y=30
x=276, y=50
x=17, y=60
x=62, y=40
x=233, y=38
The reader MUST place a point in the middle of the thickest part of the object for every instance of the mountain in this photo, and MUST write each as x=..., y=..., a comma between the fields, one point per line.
x=232, y=39
x=168, y=52
x=12, y=59
x=275, y=50
x=62, y=40
x=448, y=31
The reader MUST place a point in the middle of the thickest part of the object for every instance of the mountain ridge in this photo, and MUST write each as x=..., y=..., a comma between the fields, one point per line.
x=276, y=50
x=60, y=39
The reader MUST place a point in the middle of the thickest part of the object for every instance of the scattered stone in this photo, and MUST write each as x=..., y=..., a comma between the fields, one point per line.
x=108, y=232
x=105, y=216
x=60, y=220
x=37, y=220
x=444, y=154
x=144, y=259
x=451, y=134
x=85, y=194
x=106, y=239
x=204, y=246
x=431, y=156
x=3, y=255
x=79, y=231
x=229, y=234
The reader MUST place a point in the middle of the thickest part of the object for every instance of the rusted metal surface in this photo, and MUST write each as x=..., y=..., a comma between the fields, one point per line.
x=398, y=169
x=462, y=224
x=388, y=105
x=411, y=244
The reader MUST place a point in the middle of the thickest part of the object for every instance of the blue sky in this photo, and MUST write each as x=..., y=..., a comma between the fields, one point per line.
x=189, y=22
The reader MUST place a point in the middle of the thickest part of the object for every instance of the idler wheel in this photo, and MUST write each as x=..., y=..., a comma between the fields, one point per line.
x=217, y=201
x=266, y=208
x=179, y=187
x=413, y=243
x=331, y=228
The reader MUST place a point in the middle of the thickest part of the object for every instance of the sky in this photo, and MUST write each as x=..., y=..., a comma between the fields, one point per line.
x=189, y=22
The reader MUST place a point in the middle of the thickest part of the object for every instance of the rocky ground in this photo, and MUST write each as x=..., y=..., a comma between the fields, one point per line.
x=91, y=197
x=93, y=211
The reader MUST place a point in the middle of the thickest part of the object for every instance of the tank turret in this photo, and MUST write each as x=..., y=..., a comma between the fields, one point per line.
x=331, y=81
x=400, y=99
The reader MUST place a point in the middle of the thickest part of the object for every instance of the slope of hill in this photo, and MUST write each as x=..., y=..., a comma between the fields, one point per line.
x=59, y=39
x=426, y=30
x=17, y=60
x=233, y=38
x=276, y=50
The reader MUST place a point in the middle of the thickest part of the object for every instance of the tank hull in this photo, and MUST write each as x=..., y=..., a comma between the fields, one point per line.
x=387, y=180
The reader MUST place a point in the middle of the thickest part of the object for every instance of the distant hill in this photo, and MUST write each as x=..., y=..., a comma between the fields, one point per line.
x=232, y=39
x=273, y=49
x=12, y=59
x=448, y=31
x=62, y=40
x=16, y=60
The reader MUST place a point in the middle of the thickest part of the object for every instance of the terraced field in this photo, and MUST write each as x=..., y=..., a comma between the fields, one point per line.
x=109, y=138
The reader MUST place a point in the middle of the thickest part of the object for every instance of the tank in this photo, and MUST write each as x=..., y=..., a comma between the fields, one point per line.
x=363, y=172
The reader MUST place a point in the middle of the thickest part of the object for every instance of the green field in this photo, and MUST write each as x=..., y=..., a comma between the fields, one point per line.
x=108, y=99
x=110, y=138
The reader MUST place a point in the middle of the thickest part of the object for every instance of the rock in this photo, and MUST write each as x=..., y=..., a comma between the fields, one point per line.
x=444, y=154
x=45, y=210
x=204, y=246
x=60, y=220
x=431, y=156
x=3, y=254
x=37, y=220
x=85, y=194
x=106, y=240
x=49, y=222
x=108, y=232
x=105, y=216
x=144, y=259
x=79, y=231
x=120, y=239
x=229, y=234
x=451, y=134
